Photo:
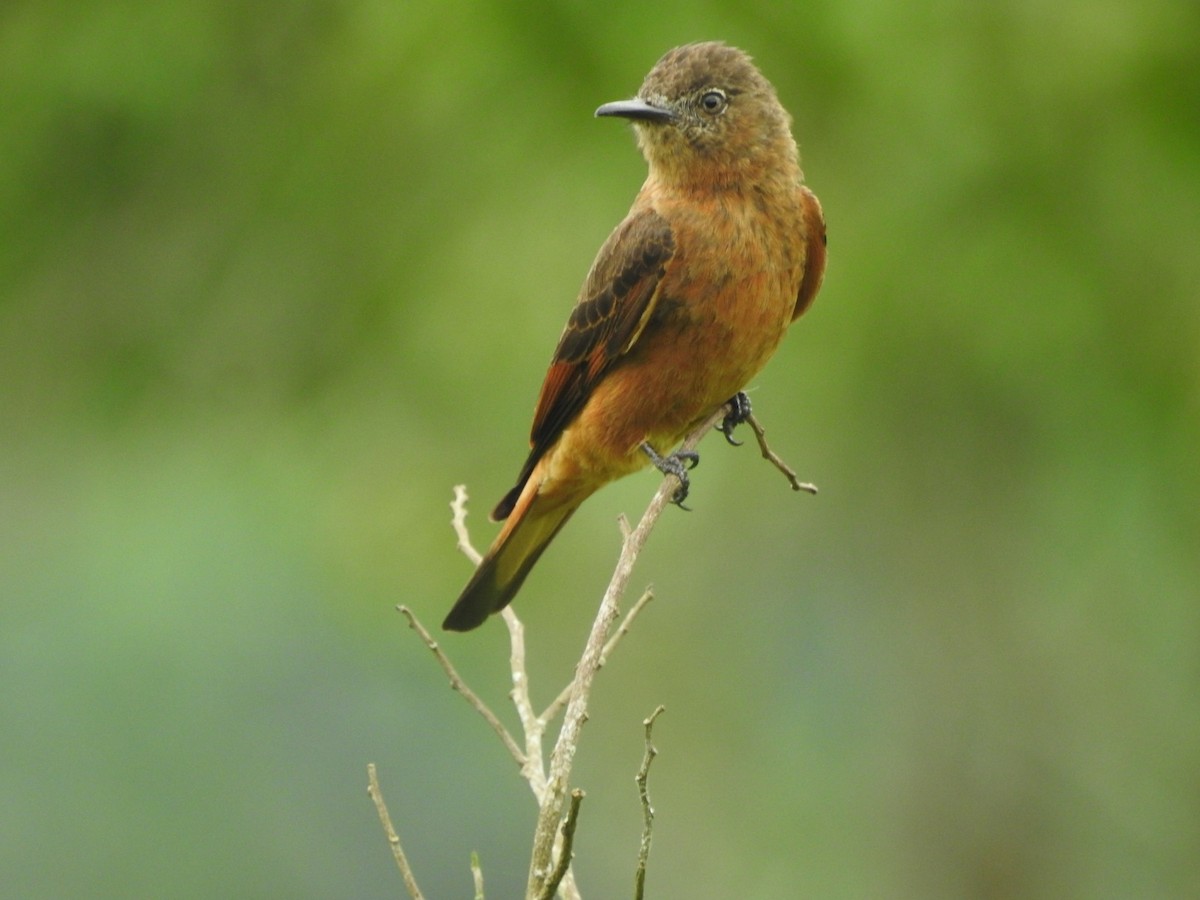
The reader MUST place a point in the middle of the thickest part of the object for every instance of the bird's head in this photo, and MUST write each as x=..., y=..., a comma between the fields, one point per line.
x=705, y=114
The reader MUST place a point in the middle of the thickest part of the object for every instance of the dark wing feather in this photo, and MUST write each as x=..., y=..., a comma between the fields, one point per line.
x=814, y=259
x=614, y=306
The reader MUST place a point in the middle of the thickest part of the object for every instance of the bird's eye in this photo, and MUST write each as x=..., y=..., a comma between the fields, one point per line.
x=713, y=102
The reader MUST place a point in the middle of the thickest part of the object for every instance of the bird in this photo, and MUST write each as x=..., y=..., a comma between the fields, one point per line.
x=723, y=248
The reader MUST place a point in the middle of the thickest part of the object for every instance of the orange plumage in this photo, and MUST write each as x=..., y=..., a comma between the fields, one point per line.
x=687, y=300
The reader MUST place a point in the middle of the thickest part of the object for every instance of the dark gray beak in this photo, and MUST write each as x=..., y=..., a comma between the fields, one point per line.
x=637, y=110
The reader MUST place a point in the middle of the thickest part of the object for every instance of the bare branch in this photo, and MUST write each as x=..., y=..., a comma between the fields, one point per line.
x=549, y=784
x=568, y=737
x=639, y=876
x=770, y=455
x=532, y=760
x=459, y=685
x=533, y=770
x=477, y=875
x=458, y=521
x=565, y=852
x=406, y=871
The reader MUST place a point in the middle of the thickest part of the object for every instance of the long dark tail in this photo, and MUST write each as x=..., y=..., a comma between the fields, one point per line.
x=528, y=531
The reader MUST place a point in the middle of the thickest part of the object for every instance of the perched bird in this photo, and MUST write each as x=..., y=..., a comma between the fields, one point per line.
x=688, y=298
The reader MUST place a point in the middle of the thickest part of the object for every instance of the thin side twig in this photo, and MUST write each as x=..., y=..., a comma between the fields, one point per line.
x=461, y=686
x=534, y=768
x=566, y=851
x=556, y=706
x=406, y=872
x=760, y=434
x=639, y=875
x=458, y=521
x=477, y=875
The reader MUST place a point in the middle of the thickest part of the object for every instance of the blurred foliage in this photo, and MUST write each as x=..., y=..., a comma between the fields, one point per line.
x=273, y=278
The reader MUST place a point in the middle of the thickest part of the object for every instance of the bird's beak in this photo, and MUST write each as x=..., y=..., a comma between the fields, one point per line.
x=638, y=110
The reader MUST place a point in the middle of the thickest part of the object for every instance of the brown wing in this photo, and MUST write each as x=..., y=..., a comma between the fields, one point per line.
x=814, y=259
x=614, y=306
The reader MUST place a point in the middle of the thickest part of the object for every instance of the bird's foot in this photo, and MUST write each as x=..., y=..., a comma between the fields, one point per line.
x=676, y=464
x=739, y=412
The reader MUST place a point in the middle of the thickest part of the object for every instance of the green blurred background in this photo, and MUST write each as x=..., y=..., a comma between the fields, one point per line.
x=275, y=277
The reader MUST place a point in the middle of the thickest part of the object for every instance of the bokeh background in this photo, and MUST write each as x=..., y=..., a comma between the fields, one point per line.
x=275, y=277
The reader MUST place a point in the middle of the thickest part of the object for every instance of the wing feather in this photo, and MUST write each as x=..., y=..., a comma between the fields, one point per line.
x=814, y=259
x=614, y=307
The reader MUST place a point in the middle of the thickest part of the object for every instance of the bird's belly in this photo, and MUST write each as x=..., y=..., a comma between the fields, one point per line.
x=696, y=359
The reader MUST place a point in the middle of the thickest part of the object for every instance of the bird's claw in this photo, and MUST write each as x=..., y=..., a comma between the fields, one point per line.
x=677, y=464
x=739, y=412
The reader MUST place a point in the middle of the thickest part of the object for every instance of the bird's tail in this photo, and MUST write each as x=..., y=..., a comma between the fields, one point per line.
x=527, y=532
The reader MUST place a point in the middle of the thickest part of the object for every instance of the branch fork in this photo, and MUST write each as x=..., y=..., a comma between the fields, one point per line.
x=550, y=863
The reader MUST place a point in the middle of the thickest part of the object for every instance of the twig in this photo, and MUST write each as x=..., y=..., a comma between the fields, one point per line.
x=534, y=768
x=459, y=685
x=477, y=875
x=458, y=521
x=576, y=714
x=556, y=706
x=639, y=875
x=565, y=851
x=770, y=456
x=406, y=871
x=549, y=784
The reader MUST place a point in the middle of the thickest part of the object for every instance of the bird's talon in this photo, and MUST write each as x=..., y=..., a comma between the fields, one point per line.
x=677, y=464
x=681, y=492
x=739, y=412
